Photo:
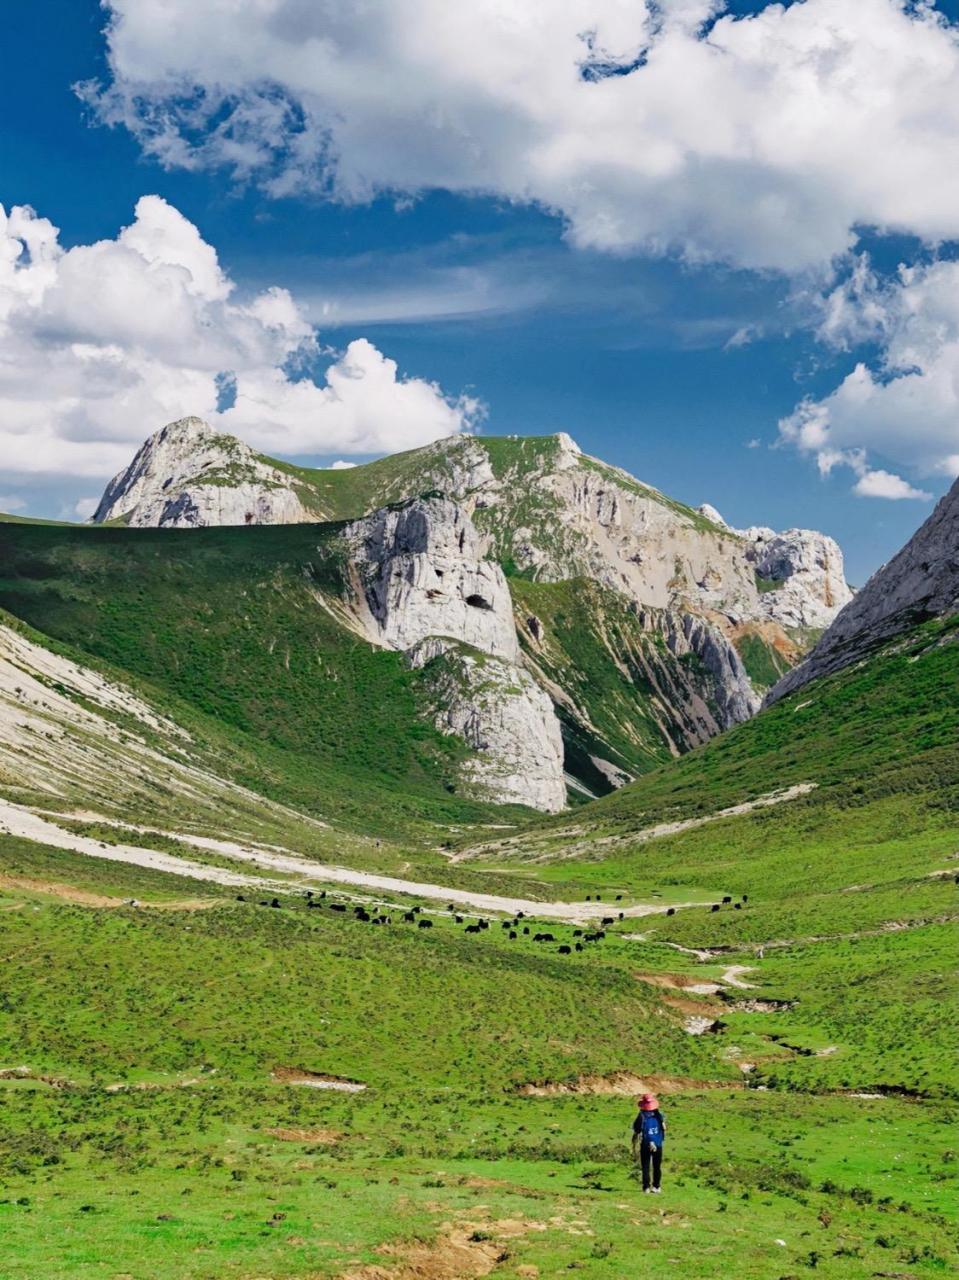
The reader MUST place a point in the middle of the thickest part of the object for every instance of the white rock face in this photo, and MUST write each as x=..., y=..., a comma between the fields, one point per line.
x=919, y=583
x=500, y=711
x=429, y=569
x=188, y=475
x=809, y=568
x=565, y=514
x=427, y=590
x=424, y=574
x=554, y=511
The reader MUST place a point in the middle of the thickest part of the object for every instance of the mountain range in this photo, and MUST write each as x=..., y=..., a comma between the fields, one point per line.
x=573, y=626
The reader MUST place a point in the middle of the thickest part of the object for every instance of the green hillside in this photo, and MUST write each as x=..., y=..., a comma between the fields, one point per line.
x=240, y=625
x=245, y=625
x=154, y=1127
x=853, y=873
x=629, y=701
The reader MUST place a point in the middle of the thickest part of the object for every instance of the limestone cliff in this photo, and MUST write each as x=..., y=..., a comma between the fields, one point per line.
x=507, y=720
x=728, y=610
x=550, y=512
x=424, y=573
x=919, y=583
x=424, y=586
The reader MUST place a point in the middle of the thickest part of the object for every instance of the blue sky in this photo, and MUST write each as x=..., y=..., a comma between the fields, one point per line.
x=678, y=372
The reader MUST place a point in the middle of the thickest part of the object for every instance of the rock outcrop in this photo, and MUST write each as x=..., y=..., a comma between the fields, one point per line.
x=548, y=509
x=188, y=475
x=557, y=513
x=424, y=586
x=800, y=576
x=730, y=694
x=919, y=583
x=423, y=572
x=507, y=720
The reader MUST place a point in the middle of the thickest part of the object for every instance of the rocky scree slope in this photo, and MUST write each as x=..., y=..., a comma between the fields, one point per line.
x=921, y=582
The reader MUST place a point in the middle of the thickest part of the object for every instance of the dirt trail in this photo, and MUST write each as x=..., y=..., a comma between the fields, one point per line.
x=23, y=822
x=656, y=832
x=731, y=978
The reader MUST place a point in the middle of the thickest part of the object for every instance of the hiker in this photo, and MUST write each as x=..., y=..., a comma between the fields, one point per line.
x=649, y=1132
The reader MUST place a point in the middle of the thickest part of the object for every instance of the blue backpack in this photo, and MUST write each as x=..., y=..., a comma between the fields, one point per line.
x=653, y=1132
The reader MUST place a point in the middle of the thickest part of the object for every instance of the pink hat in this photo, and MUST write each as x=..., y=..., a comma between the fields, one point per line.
x=649, y=1102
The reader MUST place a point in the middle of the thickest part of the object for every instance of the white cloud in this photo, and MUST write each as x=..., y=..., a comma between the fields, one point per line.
x=764, y=140
x=883, y=484
x=11, y=502
x=103, y=343
x=85, y=507
x=340, y=465
x=906, y=408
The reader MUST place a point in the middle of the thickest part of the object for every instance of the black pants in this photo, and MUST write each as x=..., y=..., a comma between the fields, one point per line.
x=651, y=1161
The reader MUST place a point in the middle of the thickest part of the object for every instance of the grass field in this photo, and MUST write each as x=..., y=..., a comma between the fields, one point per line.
x=152, y=1136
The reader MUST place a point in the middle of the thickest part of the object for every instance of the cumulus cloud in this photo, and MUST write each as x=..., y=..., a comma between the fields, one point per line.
x=883, y=484
x=764, y=139
x=904, y=407
x=103, y=343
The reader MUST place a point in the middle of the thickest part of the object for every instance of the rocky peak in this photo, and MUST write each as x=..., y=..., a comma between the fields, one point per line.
x=187, y=474
x=920, y=582
x=709, y=512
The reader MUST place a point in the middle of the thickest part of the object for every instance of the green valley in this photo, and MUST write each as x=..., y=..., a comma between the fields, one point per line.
x=281, y=998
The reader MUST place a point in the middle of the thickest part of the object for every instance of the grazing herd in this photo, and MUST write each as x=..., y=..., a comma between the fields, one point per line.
x=511, y=927
x=717, y=906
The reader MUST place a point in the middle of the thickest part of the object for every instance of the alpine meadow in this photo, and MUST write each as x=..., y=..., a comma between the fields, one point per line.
x=435, y=841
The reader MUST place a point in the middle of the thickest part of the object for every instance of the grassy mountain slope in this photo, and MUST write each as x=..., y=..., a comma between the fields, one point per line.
x=854, y=875
x=623, y=698
x=349, y=492
x=242, y=626
x=150, y=1129
x=246, y=626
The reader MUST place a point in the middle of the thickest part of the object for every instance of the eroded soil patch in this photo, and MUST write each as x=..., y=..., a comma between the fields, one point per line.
x=462, y=1251
x=622, y=1082
x=316, y=1079
x=679, y=982
x=326, y=1137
